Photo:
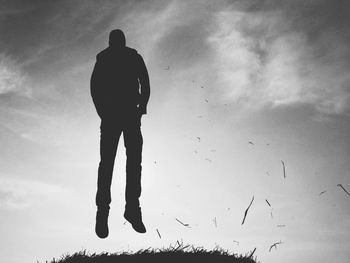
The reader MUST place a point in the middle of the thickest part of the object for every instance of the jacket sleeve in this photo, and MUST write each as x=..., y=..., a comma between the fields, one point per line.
x=95, y=88
x=145, y=86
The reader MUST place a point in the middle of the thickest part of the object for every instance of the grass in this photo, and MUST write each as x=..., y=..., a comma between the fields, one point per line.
x=179, y=253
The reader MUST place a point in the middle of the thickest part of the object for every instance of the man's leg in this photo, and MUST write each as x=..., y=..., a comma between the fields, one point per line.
x=110, y=133
x=133, y=143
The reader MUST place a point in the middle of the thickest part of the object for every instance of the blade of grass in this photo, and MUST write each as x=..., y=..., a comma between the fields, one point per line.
x=246, y=211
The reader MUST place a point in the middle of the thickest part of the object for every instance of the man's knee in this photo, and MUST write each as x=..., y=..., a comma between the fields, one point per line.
x=133, y=143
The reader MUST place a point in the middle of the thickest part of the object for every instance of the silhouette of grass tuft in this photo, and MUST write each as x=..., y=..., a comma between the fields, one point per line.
x=178, y=253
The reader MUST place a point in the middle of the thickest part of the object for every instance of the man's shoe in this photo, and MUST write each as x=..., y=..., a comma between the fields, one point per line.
x=134, y=217
x=101, y=227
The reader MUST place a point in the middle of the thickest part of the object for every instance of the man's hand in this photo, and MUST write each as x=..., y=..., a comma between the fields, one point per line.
x=141, y=110
x=100, y=112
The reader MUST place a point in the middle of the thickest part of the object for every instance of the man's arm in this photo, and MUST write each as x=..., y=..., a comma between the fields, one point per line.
x=95, y=88
x=145, y=87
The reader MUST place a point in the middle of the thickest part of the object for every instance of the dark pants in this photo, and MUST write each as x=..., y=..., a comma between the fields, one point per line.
x=111, y=129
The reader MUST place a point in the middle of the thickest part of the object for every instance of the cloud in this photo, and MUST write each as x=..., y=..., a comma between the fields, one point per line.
x=268, y=55
x=20, y=193
x=256, y=54
x=139, y=22
x=12, y=79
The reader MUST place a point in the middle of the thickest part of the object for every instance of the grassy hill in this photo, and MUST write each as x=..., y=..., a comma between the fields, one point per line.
x=179, y=253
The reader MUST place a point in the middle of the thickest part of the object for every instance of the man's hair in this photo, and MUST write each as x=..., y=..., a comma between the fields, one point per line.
x=116, y=38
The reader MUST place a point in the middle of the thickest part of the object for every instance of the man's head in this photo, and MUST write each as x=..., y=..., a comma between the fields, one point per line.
x=116, y=39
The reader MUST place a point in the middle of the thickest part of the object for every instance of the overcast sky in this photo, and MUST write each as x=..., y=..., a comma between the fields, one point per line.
x=223, y=74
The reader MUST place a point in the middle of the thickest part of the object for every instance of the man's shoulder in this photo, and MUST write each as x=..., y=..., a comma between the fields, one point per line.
x=108, y=52
x=102, y=54
x=133, y=53
x=131, y=50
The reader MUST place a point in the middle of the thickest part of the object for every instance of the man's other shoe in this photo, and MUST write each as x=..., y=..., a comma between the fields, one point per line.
x=101, y=227
x=134, y=217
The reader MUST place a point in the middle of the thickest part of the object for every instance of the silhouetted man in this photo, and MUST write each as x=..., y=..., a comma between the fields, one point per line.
x=120, y=91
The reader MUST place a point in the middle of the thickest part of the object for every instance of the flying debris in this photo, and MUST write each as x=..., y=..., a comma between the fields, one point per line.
x=340, y=185
x=200, y=116
x=155, y=162
x=207, y=159
x=284, y=169
x=202, y=87
x=268, y=202
x=215, y=223
x=251, y=143
x=271, y=214
x=274, y=245
x=236, y=242
x=159, y=233
x=246, y=211
x=206, y=101
x=251, y=254
x=199, y=139
x=323, y=192
x=187, y=225
x=267, y=144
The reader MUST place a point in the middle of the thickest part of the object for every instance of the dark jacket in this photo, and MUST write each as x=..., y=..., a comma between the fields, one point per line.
x=119, y=82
